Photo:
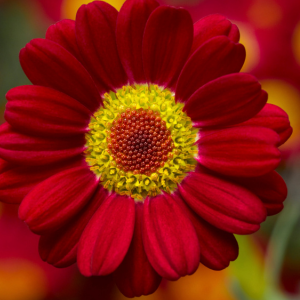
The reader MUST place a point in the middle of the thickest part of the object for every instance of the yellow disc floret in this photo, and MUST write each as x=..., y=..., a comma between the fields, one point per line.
x=141, y=142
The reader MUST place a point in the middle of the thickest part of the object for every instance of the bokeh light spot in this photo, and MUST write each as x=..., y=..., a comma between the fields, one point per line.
x=250, y=259
x=21, y=280
x=249, y=40
x=70, y=7
x=206, y=282
x=287, y=97
x=264, y=14
x=296, y=42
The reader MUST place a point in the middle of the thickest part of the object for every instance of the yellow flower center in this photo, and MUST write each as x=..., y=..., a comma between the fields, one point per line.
x=140, y=142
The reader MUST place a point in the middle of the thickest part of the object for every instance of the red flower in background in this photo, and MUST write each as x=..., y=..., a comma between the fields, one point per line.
x=139, y=145
x=22, y=273
x=52, y=8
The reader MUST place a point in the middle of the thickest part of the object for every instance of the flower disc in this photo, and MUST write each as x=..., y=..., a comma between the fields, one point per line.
x=141, y=142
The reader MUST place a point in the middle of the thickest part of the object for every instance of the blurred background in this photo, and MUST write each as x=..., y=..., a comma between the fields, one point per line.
x=268, y=267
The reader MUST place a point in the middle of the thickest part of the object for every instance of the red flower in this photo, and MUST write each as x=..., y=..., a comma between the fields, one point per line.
x=139, y=146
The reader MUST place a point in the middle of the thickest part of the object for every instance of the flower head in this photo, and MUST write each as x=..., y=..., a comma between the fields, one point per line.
x=140, y=149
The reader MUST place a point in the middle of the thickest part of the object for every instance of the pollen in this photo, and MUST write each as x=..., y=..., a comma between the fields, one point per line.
x=140, y=142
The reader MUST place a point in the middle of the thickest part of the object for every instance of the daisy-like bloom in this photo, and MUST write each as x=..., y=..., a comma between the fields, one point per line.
x=140, y=149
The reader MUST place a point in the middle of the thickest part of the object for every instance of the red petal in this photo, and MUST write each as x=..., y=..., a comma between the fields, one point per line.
x=228, y=100
x=106, y=239
x=131, y=24
x=170, y=240
x=63, y=33
x=6, y=166
x=16, y=182
x=135, y=276
x=59, y=248
x=270, y=188
x=43, y=111
x=211, y=26
x=95, y=33
x=273, y=208
x=35, y=151
x=167, y=42
x=273, y=117
x=217, y=57
x=217, y=247
x=222, y=203
x=48, y=64
x=56, y=200
x=240, y=151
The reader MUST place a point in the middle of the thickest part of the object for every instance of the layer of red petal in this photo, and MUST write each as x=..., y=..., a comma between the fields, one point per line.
x=273, y=117
x=63, y=33
x=131, y=23
x=170, y=240
x=95, y=32
x=217, y=247
x=37, y=110
x=135, y=276
x=168, y=28
x=5, y=165
x=35, y=151
x=56, y=200
x=59, y=248
x=107, y=237
x=217, y=57
x=227, y=100
x=240, y=151
x=270, y=188
x=48, y=64
x=211, y=26
x=222, y=203
x=16, y=182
